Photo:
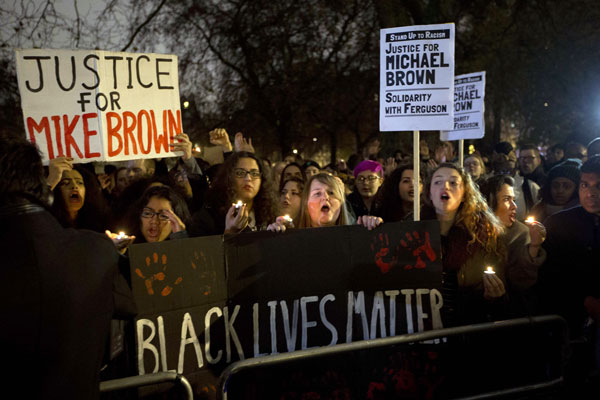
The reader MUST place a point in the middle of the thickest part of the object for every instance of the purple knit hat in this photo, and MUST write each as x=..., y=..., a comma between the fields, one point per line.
x=368, y=165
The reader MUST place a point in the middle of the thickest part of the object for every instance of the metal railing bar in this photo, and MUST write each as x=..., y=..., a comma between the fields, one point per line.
x=382, y=342
x=148, y=379
x=517, y=390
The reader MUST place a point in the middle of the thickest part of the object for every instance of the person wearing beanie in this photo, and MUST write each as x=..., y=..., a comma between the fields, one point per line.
x=368, y=177
x=560, y=191
x=311, y=168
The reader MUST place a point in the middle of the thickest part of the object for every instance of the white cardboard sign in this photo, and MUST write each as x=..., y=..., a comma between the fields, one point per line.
x=469, y=94
x=416, y=78
x=99, y=105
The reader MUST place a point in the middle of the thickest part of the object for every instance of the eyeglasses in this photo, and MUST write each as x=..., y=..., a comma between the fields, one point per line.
x=370, y=179
x=149, y=214
x=241, y=173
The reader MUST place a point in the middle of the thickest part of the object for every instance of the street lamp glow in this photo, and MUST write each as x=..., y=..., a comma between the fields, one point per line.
x=295, y=151
x=315, y=139
x=186, y=104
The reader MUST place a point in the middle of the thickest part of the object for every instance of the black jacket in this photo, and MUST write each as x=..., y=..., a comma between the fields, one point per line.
x=61, y=288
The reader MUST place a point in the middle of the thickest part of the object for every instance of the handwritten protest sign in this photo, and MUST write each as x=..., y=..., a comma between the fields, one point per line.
x=416, y=78
x=469, y=93
x=99, y=105
x=204, y=303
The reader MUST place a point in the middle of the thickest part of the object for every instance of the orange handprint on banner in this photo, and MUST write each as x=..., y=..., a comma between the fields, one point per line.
x=157, y=272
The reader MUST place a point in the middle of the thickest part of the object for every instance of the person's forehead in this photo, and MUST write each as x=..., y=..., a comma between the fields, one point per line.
x=367, y=172
x=291, y=185
x=248, y=163
x=316, y=185
x=72, y=174
x=506, y=190
x=158, y=203
x=590, y=177
x=446, y=173
x=528, y=152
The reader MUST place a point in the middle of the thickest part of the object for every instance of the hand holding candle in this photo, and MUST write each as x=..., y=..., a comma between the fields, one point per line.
x=530, y=220
x=489, y=270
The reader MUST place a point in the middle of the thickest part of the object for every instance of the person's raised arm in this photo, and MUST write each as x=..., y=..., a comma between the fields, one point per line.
x=56, y=168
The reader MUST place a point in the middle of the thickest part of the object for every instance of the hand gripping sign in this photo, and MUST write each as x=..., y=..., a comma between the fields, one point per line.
x=99, y=105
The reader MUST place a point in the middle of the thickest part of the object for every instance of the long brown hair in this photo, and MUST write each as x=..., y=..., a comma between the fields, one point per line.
x=473, y=215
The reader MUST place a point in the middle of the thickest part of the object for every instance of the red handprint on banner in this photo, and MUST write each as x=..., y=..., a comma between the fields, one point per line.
x=418, y=246
x=384, y=259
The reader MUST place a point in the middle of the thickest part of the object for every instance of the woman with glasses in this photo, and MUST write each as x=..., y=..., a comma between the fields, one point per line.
x=475, y=166
x=368, y=177
x=241, y=198
x=159, y=215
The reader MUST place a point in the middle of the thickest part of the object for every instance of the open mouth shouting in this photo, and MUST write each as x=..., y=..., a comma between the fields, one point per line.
x=75, y=197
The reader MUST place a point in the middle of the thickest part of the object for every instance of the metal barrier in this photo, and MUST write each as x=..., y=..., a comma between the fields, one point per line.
x=145, y=380
x=340, y=349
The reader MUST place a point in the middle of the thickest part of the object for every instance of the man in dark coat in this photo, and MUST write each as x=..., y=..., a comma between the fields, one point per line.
x=61, y=288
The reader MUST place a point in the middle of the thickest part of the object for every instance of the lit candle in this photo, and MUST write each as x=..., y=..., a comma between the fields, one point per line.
x=121, y=235
x=530, y=220
x=287, y=218
x=238, y=205
x=489, y=270
x=197, y=149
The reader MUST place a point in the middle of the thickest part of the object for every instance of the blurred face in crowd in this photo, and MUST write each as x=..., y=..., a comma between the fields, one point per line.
x=136, y=169
x=367, y=183
x=558, y=154
x=277, y=170
x=72, y=189
x=423, y=148
x=528, y=161
x=506, y=210
x=122, y=180
x=589, y=192
x=446, y=191
x=155, y=223
x=247, y=179
x=311, y=170
x=473, y=167
x=561, y=190
x=323, y=207
x=292, y=171
x=406, y=187
x=290, y=199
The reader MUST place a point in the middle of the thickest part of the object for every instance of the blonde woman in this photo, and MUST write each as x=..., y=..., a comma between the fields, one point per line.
x=323, y=204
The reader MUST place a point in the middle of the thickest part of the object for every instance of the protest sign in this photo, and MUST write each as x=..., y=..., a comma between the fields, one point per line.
x=416, y=78
x=469, y=93
x=204, y=303
x=99, y=105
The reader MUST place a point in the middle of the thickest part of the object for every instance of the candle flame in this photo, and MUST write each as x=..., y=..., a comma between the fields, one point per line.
x=489, y=270
x=287, y=218
x=239, y=204
x=530, y=220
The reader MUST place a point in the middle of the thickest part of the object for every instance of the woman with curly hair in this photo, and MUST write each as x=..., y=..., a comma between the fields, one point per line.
x=470, y=235
x=241, y=198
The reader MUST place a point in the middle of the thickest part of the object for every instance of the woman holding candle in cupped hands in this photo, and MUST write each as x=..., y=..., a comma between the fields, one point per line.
x=470, y=243
x=523, y=241
x=323, y=205
x=240, y=199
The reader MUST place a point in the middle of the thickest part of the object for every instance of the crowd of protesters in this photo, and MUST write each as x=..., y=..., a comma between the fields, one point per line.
x=535, y=219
